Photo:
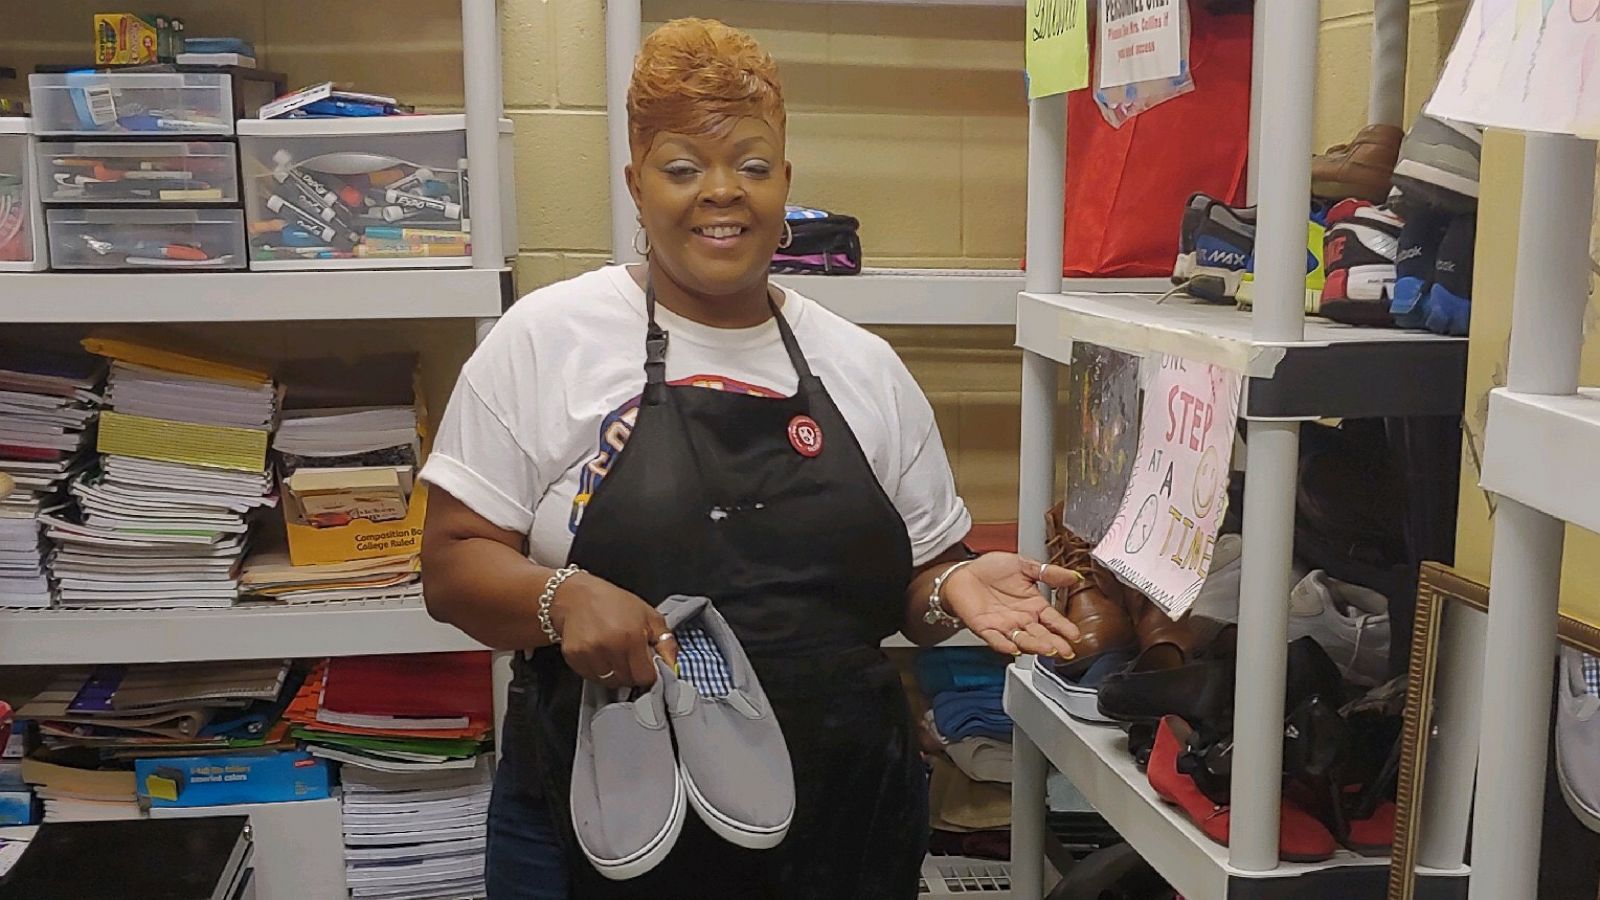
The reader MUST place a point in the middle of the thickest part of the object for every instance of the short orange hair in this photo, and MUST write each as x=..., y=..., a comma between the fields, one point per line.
x=696, y=76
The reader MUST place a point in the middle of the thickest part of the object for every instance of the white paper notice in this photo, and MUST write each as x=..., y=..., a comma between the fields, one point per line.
x=1139, y=41
x=1163, y=535
x=1527, y=65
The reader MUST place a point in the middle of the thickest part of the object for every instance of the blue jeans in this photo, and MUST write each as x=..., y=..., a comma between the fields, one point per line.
x=524, y=858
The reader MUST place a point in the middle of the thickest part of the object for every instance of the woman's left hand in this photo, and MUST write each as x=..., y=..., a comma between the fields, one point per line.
x=997, y=597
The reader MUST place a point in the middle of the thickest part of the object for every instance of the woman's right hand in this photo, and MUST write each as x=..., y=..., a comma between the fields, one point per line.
x=609, y=635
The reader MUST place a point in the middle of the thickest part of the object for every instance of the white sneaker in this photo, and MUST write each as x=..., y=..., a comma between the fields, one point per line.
x=1349, y=621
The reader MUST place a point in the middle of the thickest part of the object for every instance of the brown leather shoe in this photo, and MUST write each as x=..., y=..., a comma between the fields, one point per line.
x=1153, y=626
x=1093, y=603
x=1102, y=622
x=1362, y=168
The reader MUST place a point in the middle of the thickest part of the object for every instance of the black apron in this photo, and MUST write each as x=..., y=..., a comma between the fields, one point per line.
x=769, y=507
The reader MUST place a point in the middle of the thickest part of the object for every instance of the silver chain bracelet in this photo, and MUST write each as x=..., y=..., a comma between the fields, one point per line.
x=936, y=614
x=548, y=597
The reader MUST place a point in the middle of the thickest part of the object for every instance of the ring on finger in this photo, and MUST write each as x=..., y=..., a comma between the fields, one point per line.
x=1014, y=633
x=665, y=636
x=606, y=675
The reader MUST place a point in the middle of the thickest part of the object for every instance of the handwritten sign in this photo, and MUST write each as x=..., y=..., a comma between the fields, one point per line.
x=1163, y=535
x=1139, y=41
x=1058, y=47
x=1528, y=65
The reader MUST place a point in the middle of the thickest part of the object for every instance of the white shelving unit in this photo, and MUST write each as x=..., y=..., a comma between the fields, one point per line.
x=1540, y=454
x=1295, y=370
x=57, y=297
x=60, y=636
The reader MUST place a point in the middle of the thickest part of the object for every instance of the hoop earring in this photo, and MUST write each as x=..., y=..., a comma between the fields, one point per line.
x=637, y=234
x=788, y=236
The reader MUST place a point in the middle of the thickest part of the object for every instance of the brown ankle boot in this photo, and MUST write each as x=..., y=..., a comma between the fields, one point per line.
x=1102, y=622
x=1362, y=168
x=1153, y=626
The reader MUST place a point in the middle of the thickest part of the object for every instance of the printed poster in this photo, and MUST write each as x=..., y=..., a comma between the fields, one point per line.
x=1163, y=535
x=1139, y=41
x=1057, y=47
x=1527, y=65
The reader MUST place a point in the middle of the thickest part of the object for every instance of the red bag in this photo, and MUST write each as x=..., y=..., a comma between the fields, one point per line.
x=1126, y=187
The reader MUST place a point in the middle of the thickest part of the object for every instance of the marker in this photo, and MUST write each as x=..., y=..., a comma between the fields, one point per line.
x=413, y=201
x=310, y=222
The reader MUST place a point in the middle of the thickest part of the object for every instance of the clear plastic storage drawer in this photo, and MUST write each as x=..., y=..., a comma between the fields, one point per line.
x=21, y=230
x=370, y=193
x=182, y=173
x=146, y=238
x=132, y=103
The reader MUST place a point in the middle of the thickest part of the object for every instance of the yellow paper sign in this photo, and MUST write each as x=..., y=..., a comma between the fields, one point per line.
x=1058, y=47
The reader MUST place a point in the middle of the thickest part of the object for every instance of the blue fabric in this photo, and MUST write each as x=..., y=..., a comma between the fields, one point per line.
x=1446, y=313
x=966, y=714
x=1109, y=663
x=524, y=860
x=941, y=669
x=701, y=663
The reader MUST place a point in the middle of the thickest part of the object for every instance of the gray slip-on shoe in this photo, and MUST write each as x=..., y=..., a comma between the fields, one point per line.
x=628, y=799
x=731, y=750
x=1578, y=740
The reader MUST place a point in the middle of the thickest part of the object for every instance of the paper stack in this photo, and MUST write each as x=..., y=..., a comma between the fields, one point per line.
x=127, y=712
x=48, y=408
x=411, y=732
x=402, y=713
x=163, y=520
x=72, y=794
x=348, y=437
x=268, y=575
x=416, y=836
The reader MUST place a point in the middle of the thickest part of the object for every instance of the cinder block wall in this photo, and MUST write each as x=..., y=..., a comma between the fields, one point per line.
x=912, y=119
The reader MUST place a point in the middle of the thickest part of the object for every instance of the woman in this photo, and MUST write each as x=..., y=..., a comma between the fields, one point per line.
x=683, y=427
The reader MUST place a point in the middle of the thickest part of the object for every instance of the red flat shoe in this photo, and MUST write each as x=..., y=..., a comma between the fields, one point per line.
x=1301, y=838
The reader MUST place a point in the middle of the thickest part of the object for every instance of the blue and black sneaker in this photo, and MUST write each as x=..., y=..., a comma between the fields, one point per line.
x=1415, y=263
x=1214, y=248
x=1449, y=303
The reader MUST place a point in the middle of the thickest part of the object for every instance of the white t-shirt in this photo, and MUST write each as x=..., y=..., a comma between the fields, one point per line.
x=547, y=401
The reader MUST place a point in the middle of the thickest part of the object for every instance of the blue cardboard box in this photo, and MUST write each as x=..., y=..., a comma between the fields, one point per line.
x=249, y=777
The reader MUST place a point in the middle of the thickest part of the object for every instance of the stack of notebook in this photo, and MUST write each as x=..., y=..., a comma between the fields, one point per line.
x=416, y=836
x=81, y=794
x=48, y=406
x=268, y=575
x=127, y=712
x=408, y=713
x=162, y=522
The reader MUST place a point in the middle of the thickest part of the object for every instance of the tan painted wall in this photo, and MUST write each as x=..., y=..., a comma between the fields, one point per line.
x=1494, y=273
x=911, y=118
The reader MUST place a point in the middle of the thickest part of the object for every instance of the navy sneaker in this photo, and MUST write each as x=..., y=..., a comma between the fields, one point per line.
x=1414, y=264
x=1224, y=239
x=1449, y=303
x=1194, y=216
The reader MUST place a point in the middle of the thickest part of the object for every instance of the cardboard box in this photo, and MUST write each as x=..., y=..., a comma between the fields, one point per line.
x=361, y=539
x=247, y=777
x=125, y=39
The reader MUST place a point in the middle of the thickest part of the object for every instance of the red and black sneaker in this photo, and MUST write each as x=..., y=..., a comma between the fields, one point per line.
x=1358, y=256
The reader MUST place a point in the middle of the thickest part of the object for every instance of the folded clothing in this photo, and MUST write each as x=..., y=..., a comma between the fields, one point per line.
x=942, y=669
x=957, y=803
x=967, y=714
x=819, y=243
x=982, y=758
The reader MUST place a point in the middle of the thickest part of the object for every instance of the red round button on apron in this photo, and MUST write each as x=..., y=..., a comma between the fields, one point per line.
x=805, y=435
